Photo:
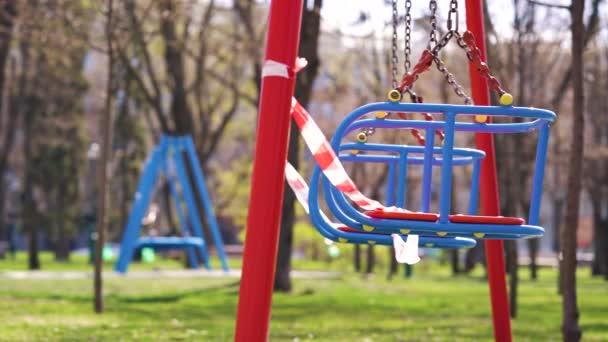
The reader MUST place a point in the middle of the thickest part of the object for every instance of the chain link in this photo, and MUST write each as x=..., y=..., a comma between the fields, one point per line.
x=395, y=58
x=433, y=34
x=453, y=16
x=449, y=77
x=443, y=41
x=408, y=40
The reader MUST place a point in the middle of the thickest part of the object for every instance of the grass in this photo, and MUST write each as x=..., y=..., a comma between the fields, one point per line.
x=80, y=262
x=432, y=306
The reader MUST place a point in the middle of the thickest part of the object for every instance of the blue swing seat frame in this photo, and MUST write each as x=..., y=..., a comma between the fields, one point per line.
x=537, y=120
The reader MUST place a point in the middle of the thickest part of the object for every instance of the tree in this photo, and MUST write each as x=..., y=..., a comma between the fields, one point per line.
x=570, y=328
x=185, y=58
x=596, y=160
x=198, y=72
x=309, y=41
x=103, y=166
x=47, y=96
x=8, y=122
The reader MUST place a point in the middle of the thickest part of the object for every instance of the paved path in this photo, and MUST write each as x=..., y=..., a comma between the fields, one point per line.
x=153, y=274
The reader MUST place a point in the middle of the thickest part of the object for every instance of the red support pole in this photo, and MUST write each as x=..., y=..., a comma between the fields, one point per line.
x=266, y=197
x=490, y=204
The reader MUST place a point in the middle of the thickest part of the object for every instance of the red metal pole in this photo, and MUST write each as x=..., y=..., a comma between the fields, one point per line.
x=266, y=198
x=490, y=204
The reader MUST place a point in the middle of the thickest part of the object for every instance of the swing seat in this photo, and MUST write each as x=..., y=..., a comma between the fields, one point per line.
x=401, y=214
x=473, y=219
x=160, y=242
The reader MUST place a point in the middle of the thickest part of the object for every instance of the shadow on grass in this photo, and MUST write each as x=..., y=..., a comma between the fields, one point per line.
x=175, y=297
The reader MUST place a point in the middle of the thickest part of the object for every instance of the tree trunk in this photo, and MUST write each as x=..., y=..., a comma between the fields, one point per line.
x=533, y=245
x=3, y=222
x=103, y=203
x=357, y=258
x=62, y=246
x=558, y=205
x=454, y=256
x=512, y=267
x=168, y=209
x=33, y=259
x=371, y=260
x=29, y=212
x=570, y=328
x=394, y=266
x=309, y=41
x=62, y=251
x=599, y=265
x=282, y=280
x=174, y=62
x=8, y=14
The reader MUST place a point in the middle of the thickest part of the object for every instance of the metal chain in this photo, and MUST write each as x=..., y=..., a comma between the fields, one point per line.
x=433, y=35
x=453, y=16
x=452, y=31
x=443, y=41
x=369, y=131
x=395, y=58
x=449, y=77
x=408, y=40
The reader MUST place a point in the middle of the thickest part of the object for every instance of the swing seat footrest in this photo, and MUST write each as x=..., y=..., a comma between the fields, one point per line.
x=169, y=242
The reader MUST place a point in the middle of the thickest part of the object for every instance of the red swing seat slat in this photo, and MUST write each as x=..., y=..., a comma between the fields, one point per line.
x=512, y=221
x=400, y=214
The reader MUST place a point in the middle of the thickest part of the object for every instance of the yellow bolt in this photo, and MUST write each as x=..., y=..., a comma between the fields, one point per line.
x=481, y=118
x=506, y=99
x=429, y=244
x=381, y=115
x=362, y=137
x=354, y=151
x=343, y=240
x=394, y=95
x=442, y=233
x=371, y=242
x=368, y=228
x=405, y=231
x=479, y=235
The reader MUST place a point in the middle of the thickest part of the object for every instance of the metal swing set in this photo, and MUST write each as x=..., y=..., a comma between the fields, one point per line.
x=366, y=221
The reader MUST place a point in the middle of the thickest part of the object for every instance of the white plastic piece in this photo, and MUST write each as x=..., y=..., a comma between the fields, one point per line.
x=406, y=252
x=274, y=68
x=301, y=63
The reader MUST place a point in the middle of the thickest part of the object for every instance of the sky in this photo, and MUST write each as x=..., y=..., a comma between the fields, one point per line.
x=342, y=13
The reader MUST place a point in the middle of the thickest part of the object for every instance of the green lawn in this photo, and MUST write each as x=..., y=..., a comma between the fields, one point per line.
x=432, y=306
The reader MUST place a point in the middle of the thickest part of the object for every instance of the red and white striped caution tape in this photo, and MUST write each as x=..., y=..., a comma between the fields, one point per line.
x=405, y=251
x=326, y=157
x=301, y=190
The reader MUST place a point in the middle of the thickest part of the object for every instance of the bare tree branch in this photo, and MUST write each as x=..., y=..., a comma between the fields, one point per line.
x=142, y=45
x=152, y=99
x=548, y=4
x=590, y=30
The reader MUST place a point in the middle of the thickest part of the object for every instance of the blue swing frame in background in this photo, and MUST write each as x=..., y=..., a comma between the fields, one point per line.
x=171, y=157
